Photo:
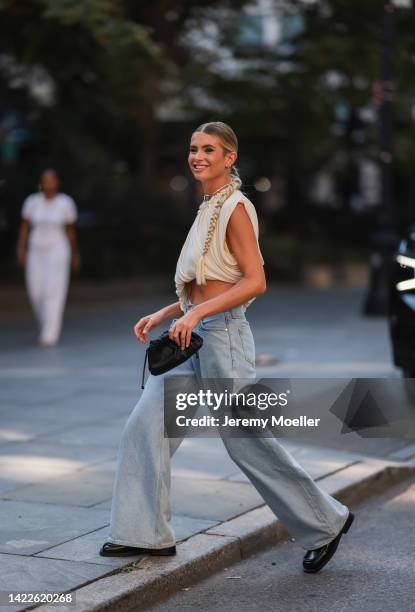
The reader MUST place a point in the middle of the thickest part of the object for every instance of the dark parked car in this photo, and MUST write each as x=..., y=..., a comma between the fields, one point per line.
x=402, y=305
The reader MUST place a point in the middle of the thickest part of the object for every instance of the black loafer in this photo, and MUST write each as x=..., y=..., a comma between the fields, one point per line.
x=118, y=550
x=315, y=559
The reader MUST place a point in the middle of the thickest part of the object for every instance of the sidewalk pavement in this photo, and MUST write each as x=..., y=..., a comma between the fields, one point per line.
x=62, y=413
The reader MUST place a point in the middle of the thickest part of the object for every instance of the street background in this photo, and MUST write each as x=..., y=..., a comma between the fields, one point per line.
x=108, y=93
x=321, y=97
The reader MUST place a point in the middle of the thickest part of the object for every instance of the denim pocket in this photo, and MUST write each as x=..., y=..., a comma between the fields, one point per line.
x=247, y=341
x=237, y=314
x=214, y=322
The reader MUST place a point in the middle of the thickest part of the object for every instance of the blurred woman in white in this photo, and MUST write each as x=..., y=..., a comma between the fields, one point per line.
x=47, y=249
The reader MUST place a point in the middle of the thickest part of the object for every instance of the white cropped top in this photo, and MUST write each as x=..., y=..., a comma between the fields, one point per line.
x=219, y=263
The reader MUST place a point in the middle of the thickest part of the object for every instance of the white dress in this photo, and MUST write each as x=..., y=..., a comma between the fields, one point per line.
x=48, y=259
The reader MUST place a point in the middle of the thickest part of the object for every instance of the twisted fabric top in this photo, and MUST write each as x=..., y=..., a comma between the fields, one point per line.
x=217, y=262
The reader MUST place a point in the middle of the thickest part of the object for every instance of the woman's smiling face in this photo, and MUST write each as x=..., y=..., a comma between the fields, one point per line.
x=207, y=157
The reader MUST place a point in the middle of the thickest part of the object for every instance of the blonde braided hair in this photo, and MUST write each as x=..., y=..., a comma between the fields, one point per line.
x=229, y=143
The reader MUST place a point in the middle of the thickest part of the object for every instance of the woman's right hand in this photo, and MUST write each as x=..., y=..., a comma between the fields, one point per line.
x=145, y=324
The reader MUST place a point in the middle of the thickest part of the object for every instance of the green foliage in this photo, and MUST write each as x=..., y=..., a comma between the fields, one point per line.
x=114, y=63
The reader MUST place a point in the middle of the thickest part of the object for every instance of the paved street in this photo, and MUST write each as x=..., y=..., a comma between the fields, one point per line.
x=372, y=569
x=63, y=409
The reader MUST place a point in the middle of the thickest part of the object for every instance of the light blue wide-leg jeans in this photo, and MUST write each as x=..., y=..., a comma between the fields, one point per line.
x=141, y=512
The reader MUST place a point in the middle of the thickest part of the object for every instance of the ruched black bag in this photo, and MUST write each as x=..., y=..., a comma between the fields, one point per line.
x=164, y=354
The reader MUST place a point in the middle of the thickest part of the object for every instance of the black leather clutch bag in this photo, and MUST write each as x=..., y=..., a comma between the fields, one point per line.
x=164, y=354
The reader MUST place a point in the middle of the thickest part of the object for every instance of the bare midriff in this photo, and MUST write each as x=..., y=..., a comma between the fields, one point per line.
x=201, y=293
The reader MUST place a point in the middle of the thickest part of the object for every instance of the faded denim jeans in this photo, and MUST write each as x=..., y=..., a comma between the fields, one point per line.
x=141, y=511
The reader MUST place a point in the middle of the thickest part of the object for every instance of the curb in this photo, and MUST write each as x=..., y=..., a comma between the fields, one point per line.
x=147, y=581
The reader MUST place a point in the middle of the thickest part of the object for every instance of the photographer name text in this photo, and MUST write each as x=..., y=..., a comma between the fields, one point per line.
x=273, y=421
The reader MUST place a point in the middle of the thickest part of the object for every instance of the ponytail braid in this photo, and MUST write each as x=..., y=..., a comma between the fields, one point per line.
x=216, y=202
x=235, y=172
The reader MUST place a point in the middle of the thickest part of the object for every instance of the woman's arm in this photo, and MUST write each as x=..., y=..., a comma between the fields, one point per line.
x=242, y=243
x=76, y=259
x=171, y=311
x=147, y=323
x=22, y=242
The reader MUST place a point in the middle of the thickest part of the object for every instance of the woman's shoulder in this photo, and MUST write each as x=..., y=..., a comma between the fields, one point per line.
x=234, y=199
x=69, y=210
x=64, y=197
x=229, y=207
x=238, y=196
x=29, y=203
x=67, y=203
x=33, y=197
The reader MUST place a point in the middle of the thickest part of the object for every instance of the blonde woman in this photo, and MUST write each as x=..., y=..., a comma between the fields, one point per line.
x=218, y=275
x=47, y=249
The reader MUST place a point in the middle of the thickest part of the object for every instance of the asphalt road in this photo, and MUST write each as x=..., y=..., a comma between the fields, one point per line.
x=373, y=570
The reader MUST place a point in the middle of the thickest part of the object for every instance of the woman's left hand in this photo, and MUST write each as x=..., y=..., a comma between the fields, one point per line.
x=181, y=329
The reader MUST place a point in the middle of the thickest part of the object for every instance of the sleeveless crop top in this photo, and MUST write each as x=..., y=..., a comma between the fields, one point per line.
x=219, y=262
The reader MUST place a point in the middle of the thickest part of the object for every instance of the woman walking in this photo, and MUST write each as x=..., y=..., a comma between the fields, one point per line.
x=218, y=275
x=48, y=234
